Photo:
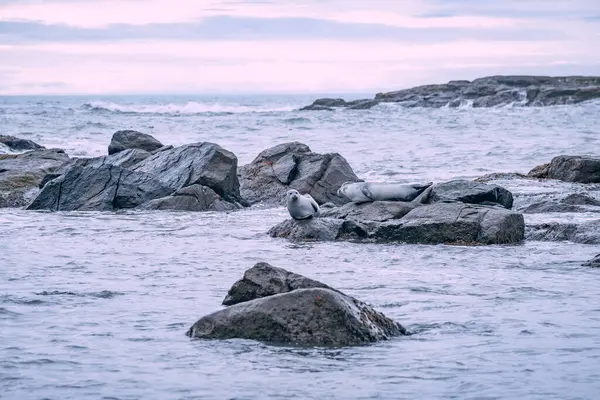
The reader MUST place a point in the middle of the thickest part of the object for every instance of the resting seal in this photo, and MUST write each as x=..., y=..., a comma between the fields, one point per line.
x=301, y=206
x=362, y=192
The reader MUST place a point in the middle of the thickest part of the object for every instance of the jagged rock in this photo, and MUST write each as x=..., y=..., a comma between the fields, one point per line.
x=500, y=176
x=472, y=193
x=586, y=233
x=18, y=144
x=21, y=174
x=294, y=166
x=191, y=198
x=125, y=159
x=593, y=263
x=324, y=104
x=451, y=223
x=575, y=169
x=264, y=280
x=104, y=188
x=539, y=172
x=277, y=306
x=551, y=207
x=362, y=104
x=205, y=164
x=128, y=139
x=319, y=229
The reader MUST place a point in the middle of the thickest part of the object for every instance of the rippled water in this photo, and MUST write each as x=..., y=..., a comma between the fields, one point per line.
x=95, y=305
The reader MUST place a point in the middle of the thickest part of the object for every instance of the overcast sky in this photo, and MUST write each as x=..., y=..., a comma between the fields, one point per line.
x=294, y=46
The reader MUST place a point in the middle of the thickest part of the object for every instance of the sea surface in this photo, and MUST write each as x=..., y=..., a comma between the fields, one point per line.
x=96, y=305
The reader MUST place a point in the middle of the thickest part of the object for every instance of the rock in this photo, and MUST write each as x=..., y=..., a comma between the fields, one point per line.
x=377, y=211
x=324, y=104
x=264, y=280
x=125, y=159
x=362, y=104
x=586, y=233
x=582, y=199
x=128, y=139
x=575, y=169
x=104, y=188
x=451, y=223
x=191, y=198
x=205, y=164
x=277, y=306
x=593, y=263
x=539, y=172
x=314, y=107
x=472, y=193
x=17, y=144
x=319, y=229
x=551, y=207
x=500, y=176
x=21, y=174
x=294, y=166
x=499, y=99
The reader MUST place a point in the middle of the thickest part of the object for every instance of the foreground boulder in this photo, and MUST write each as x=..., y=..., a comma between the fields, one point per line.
x=570, y=169
x=16, y=144
x=472, y=192
x=594, y=262
x=294, y=166
x=21, y=174
x=128, y=139
x=191, y=198
x=104, y=188
x=276, y=306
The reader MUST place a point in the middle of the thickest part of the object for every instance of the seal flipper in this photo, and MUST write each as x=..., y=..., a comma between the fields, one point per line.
x=365, y=190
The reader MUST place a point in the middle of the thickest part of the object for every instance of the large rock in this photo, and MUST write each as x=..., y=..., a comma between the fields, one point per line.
x=575, y=202
x=17, y=144
x=21, y=174
x=277, y=306
x=264, y=280
x=585, y=233
x=594, y=262
x=128, y=139
x=472, y=193
x=191, y=198
x=366, y=213
x=570, y=169
x=294, y=166
x=205, y=164
x=453, y=223
x=125, y=159
x=104, y=188
x=319, y=229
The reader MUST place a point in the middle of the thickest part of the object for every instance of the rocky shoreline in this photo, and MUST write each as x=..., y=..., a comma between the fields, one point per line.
x=491, y=91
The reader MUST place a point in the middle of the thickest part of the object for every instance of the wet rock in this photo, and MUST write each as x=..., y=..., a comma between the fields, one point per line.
x=277, y=306
x=205, y=164
x=17, y=144
x=498, y=99
x=264, y=280
x=319, y=229
x=575, y=169
x=593, y=263
x=191, y=198
x=499, y=176
x=362, y=104
x=453, y=222
x=104, y=188
x=294, y=166
x=551, y=207
x=21, y=174
x=472, y=193
x=128, y=139
x=366, y=213
x=125, y=159
x=586, y=233
x=539, y=172
x=582, y=199
x=324, y=104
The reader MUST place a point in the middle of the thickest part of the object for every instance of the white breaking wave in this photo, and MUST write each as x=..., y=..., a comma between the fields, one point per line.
x=191, y=107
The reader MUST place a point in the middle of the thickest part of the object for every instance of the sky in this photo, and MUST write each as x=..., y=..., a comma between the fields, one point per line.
x=286, y=46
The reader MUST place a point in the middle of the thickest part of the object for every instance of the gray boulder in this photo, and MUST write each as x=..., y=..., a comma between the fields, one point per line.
x=551, y=207
x=472, y=193
x=17, y=144
x=205, y=164
x=570, y=169
x=125, y=159
x=453, y=223
x=585, y=233
x=366, y=213
x=264, y=280
x=319, y=229
x=21, y=174
x=594, y=262
x=277, y=306
x=582, y=199
x=128, y=139
x=294, y=166
x=191, y=198
x=104, y=188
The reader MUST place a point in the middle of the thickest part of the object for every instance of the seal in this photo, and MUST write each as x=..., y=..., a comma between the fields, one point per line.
x=362, y=192
x=301, y=206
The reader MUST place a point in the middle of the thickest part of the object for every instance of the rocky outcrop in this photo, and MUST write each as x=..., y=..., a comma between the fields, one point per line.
x=206, y=164
x=125, y=159
x=575, y=202
x=21, y=174
x=276, y=306
x=128, y=139
x=16, y=144
x=593, y=263
x=489, y=91
x=104, y=188
x=472, y=192
x=294, y=166
x=384, y=222
x=570, y=169
x=191, y=198
x=585, y=233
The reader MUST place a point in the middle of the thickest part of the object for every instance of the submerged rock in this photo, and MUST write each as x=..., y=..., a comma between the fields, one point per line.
x=277, y=306
x=17, y=144
x=21, y=174
x=472, y=193
x=570, y=169
x=294, y=166
x=594, y=262
x=128, y=139
x=586, y=233
x=191, y=198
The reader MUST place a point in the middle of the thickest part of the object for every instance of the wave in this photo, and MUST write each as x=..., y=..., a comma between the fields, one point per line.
x=189, y=108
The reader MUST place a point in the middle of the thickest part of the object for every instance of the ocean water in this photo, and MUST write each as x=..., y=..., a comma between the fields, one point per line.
x=96, y=305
